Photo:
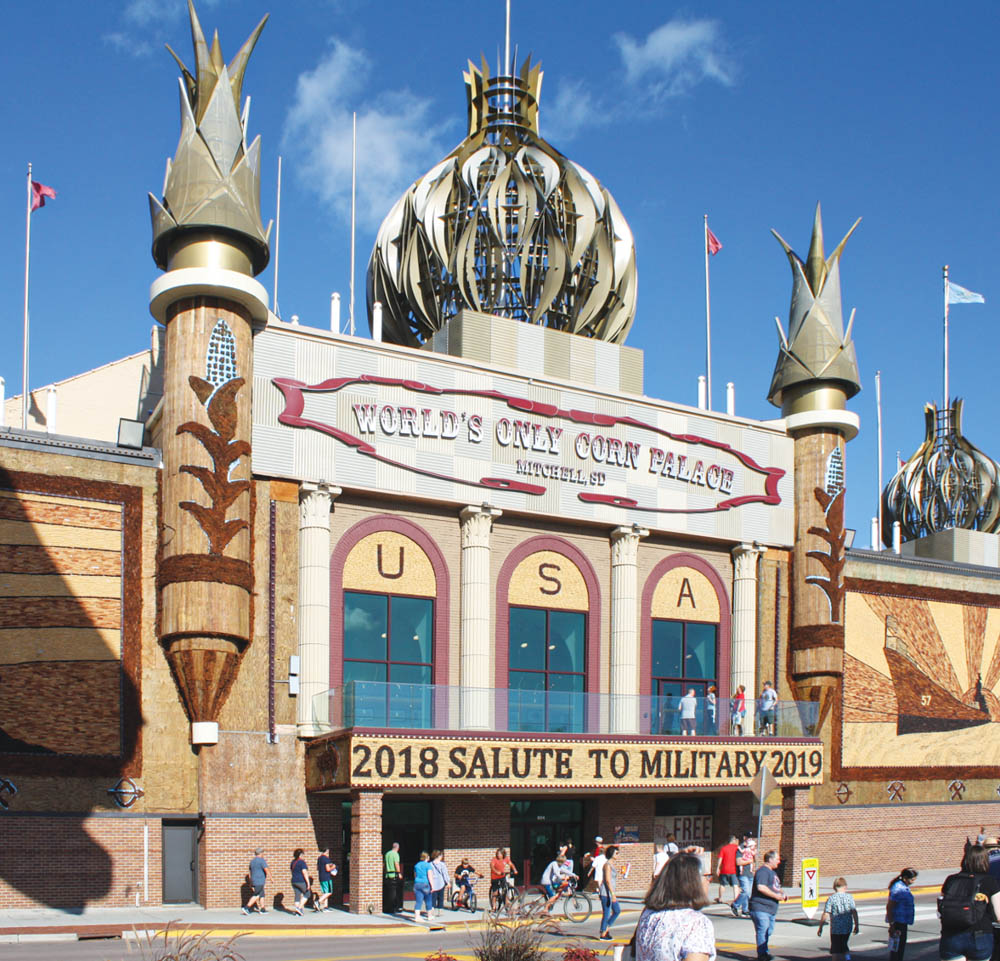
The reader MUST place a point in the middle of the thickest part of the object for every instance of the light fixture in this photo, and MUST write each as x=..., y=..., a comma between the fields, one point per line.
x=130, y=433
x=416, y=637
x=524, y=643
x=849, y=538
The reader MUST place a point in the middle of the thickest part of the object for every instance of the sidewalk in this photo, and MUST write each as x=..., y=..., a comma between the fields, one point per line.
x=36, y=924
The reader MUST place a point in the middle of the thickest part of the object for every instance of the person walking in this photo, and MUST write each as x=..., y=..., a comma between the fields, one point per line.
x=711, y=706
x=768, y=706
x=842, y=913
x=764, y=901
x=439, y=879
x=301, y=882
x=727, y=868
x=606, y=891
x=689, y=711
x=746, y=858
x=422, y=887
x=660, y=858
x=394, y=879
x=738, y=709
x=326, y=871
x=258, y=878
x=899, y=911
x=969, y=906
x=671, y=925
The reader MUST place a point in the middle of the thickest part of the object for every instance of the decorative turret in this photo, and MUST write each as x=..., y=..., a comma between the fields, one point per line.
x=211, y=192
x=207, y=235
x=946, y=483
x=505, y=225
x=816, y=373
x=817, y=368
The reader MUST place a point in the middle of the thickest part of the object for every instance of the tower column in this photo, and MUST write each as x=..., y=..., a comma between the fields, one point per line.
x=312, y=712
x=624, y=687
x=477, y=524
x=743, y=656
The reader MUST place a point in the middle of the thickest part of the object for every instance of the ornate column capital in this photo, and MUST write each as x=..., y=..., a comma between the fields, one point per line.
x=315, y=501
x=625, y=544
x=745, y=557
x=477, y=522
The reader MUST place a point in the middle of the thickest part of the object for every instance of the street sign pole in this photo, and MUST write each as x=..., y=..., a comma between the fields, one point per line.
x=810, y=886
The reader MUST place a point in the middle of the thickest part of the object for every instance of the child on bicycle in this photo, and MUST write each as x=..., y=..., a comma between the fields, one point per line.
x=464, y=875
x=556, y=878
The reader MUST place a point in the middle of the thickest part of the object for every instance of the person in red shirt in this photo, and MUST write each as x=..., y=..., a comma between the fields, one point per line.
x=727, y=868
x=498, y=870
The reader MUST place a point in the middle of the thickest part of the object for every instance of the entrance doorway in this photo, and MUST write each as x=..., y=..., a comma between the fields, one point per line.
x=538, y=829
x=180, y=862
x=408, y=822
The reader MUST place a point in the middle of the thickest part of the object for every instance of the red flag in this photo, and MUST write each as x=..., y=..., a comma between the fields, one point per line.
x=38, y=194
x=714, y=244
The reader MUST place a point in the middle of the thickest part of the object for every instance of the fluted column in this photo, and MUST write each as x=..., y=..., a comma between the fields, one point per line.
x=315, y=501
x=743, y=647
x=477, y=523
x=624, y=688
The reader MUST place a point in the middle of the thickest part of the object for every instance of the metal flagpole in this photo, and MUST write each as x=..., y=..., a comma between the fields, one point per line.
x=945, y=407
x=506, y=47
x=878, y=408
x=354, y=183
x=27, y=258
x=708, y=325
x=277, y=240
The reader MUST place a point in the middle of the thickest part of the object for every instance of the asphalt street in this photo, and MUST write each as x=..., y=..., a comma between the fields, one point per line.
x=794, y=938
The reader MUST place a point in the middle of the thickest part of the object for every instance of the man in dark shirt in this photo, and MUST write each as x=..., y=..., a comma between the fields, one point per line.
x=258, y=876
x=764, y=900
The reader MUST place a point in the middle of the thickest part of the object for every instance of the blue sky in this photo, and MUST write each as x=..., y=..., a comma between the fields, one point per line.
x=748, y=112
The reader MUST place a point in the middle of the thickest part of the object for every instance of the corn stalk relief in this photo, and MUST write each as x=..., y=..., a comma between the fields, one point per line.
x=832, y=560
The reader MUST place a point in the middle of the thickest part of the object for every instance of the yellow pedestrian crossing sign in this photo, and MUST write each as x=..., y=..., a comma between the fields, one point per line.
x=810, y=886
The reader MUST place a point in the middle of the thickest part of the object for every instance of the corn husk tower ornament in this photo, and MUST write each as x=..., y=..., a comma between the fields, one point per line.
x=947, y=482
x=816, y=373
x=505, y=225
x=208, y=237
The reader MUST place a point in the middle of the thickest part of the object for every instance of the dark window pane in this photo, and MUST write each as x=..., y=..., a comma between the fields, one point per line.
x=364, y=694
x=527, y=639
x=410, y=674
x=362, y=671
x=566, y=682
x=412, y=634
x=523, y=681
x=526, y=702
x=700, y=655
x=365, y=626
x=566, y=641
x=668, y=649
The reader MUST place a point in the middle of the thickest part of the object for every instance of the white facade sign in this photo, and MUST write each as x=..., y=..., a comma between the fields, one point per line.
x=429, y=425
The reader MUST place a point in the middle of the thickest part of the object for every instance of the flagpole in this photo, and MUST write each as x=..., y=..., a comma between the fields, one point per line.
x=354, y=183
x=878, y=407
x=708, y=325
x=946, y=408
x=27, y=260
x=277, y=241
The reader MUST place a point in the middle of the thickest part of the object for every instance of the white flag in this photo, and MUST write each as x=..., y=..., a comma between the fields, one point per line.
x=959, y=295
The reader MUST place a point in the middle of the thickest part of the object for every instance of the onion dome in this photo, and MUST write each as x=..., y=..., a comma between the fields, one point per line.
x=947, y=483
x=817, y=352
x=212, y=186
x=505, y=225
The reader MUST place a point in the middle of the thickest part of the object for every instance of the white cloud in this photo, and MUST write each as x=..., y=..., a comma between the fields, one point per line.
x=573, y=109
x=397, y=137
x=676, y=57
x=146, y=24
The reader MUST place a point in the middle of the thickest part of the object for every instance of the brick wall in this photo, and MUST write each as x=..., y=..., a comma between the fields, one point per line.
x=366, y=852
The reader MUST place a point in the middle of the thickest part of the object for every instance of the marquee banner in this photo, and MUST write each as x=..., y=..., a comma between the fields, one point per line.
x=404, y=761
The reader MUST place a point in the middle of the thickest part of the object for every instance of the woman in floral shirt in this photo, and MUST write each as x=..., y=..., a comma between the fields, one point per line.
x=672, y=926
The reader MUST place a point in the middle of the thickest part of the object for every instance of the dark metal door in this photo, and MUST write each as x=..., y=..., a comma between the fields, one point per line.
x=180, y=862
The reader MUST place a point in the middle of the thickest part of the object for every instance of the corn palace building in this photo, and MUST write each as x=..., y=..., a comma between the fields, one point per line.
x=447, y=585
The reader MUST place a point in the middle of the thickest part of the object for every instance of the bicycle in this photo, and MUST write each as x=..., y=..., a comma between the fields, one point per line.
x=459, y=898
x=576, y=905
x=503, y=896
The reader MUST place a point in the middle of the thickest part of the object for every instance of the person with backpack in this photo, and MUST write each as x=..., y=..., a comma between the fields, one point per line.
x=969, y=904
x=899, y=911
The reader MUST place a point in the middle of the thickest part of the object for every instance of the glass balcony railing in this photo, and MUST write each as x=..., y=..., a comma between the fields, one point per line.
x=433, y=707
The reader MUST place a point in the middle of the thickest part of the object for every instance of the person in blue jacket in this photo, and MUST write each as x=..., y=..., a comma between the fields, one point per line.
x=899, y=912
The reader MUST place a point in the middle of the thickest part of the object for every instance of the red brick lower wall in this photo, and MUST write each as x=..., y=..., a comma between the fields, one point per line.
x=77, y=860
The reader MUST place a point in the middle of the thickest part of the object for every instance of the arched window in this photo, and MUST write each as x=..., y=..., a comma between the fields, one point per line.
x=551, y=611
x=389, y=619
x=685, y=644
